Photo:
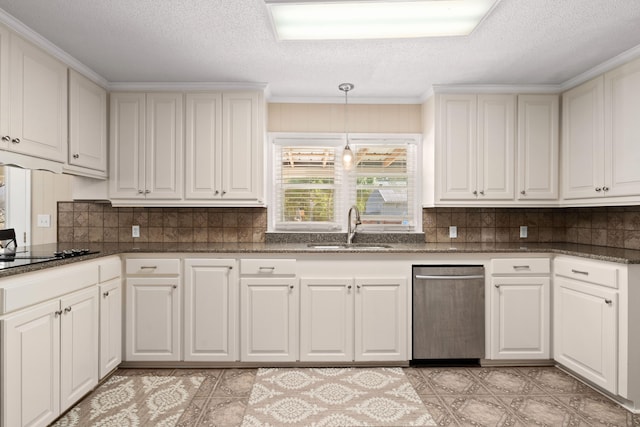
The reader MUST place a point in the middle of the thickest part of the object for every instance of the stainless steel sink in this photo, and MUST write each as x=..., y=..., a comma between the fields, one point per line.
x=353, y=246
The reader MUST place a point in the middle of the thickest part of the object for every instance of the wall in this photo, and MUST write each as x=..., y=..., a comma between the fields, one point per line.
x=364, y=118
x=46, y=189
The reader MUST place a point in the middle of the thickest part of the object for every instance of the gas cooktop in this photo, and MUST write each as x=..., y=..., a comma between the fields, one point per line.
x=23, y=257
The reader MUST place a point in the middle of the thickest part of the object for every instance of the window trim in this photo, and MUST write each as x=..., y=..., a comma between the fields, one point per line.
x=339, y=140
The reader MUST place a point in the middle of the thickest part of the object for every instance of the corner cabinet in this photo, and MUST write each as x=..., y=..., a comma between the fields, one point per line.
x=146, y=147
x=600, y=138
x=87, y=127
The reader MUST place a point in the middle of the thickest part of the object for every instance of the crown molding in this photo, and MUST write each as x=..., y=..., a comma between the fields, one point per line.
x=184, y=86
x=515, y=89
x=616, y=61
x=28, y=34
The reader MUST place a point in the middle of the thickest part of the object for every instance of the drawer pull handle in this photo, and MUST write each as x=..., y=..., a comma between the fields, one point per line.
x=497, y=286
x=586, y=273
x=608, y=301
x=66, y=310
x=57, y=313
x=148, y=267
x=521, y=267
x=105, y=294
x=266, y=268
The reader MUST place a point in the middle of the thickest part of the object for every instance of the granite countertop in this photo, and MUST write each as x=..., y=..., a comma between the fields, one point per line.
x=623, y=256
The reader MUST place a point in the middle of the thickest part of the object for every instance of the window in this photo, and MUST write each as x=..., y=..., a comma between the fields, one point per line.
x=312, y=192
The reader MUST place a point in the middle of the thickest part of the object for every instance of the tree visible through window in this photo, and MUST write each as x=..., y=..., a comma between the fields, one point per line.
x=311, y=191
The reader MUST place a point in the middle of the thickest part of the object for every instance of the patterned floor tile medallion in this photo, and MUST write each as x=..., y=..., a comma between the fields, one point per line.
x=130, y=401
x=334, y=397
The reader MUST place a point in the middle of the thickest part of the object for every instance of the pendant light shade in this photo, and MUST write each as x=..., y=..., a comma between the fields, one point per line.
x=347, y=154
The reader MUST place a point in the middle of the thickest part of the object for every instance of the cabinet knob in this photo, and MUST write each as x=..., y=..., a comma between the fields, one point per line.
x=482, y=193
x=140, y=192
x=224, y=192
x=290, y=286
x=147, y=191
x=105, y=294
x=175, y=286
x=497, y=286
x=216, y=193
x=523, y=192
x=6, y=138
x=348, y=286
x=598, y=189
x=358, y=286
x=75, y=156
x=608, y=301
x=605, y=188
x=16, y=140
x=475, y=193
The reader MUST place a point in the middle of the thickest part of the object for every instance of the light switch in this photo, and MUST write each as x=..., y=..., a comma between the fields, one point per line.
x=523, y=231
x=135, y=231
x=453, y=232
x=44, y=220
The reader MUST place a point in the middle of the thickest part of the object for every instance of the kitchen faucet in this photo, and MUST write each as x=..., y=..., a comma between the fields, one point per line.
x=351, y=232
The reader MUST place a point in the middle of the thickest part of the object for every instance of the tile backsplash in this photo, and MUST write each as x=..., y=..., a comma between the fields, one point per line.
x=100, y=222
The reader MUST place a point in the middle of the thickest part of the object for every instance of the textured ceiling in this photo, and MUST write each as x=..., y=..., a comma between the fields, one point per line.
x=521, y=42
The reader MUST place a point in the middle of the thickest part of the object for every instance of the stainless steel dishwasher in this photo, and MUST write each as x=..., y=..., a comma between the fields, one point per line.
x=448, y=312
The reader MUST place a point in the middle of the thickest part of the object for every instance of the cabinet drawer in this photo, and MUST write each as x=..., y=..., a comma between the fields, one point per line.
x=153, y=266
x=269, y=267
x=593, y=272
x=513, y=266
x=110, y=269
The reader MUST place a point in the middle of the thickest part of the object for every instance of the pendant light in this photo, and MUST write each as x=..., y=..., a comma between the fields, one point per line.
x=347, y=154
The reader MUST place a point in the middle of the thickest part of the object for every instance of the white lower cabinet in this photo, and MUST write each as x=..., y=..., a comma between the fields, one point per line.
x=50, y=352
x=326, y=321
x=269, y=319
x=380, y=319
x=110, y=325
x=586, y=330
x=210, y=310
x=520, y=309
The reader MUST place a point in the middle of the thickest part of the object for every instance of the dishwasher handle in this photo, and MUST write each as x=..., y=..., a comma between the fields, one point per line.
x=475, y=276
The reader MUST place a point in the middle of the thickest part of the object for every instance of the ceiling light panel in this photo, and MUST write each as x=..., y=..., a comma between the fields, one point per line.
x=341, y=20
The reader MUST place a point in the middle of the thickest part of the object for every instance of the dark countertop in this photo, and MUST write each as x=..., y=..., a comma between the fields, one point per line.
x=623, y=256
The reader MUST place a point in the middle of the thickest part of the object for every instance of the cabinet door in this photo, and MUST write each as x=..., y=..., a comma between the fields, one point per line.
x=126, y=146
x=456, y=143
x=326, y=319
x=164, y=146
x=520, y=316
x=211, y=310
x=38, y=123
x=538, y=120
x=269, y=319
x=152, y=319
x=4, y=88
x=79, y=347
x=622, y=130
x=110, y=326
x=203, y=146
x=242, y=171
x=381, y=319
x=586, y=330
x=583, y=140
x=31, y=366
x=496, y=145
x=87, y=123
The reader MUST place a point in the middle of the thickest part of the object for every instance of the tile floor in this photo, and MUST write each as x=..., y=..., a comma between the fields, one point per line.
x=543, y=396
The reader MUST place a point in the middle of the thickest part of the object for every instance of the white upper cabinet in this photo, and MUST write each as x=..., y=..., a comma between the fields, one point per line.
x=33, y=92
x=475, y=137
x=538, y=135
x=600, y=134
x=146, y=146
x=87, y=126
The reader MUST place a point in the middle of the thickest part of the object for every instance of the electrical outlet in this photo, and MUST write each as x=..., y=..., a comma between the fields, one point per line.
x=453, y=232
x=523, y=231
x=44, y=220
x=135, y=231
